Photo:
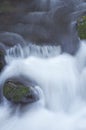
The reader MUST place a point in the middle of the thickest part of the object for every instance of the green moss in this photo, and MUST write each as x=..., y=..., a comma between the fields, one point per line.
x=13, y=93
x=82, y=27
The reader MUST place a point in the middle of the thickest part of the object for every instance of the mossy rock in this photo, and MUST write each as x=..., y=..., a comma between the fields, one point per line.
x=18, y=93
x=82, y=27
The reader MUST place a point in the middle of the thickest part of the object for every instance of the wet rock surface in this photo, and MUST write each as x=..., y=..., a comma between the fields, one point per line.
x=82, y=27
x=42, y=22
x=2, y=60
x=17, y=92
x=10, y=39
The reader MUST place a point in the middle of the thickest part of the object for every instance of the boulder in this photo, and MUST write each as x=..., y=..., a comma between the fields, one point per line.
x=82, y=27
x=17, y=92
x=10, y=39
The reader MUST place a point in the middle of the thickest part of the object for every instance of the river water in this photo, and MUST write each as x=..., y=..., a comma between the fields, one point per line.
x=61, y=82
x=59, y=76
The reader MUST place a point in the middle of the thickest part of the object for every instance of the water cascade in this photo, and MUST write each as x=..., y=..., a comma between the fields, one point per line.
x=60, y=81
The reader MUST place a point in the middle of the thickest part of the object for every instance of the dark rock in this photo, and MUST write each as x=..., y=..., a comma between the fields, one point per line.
x=43, y=22
x=17, y=92
x=2, y=54
x=11, y=39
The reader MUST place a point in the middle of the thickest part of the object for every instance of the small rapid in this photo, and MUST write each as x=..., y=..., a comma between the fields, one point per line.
x=57, y=67
x=61, y=84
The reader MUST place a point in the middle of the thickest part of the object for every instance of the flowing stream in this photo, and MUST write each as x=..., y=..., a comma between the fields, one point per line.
x=61, y=83
x=59, y=76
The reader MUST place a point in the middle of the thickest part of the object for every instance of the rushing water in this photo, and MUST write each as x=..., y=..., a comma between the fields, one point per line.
x=62, y=104
x=60, y=77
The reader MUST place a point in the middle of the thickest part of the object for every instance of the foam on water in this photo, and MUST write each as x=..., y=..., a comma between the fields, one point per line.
x=62, y=104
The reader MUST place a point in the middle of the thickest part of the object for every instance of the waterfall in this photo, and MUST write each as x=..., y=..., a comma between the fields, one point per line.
x=63, y=102
x=31, y=50
x=59, y=76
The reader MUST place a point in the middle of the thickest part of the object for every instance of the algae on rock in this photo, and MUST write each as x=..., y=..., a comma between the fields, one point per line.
x=18, y=93
x=82, y=27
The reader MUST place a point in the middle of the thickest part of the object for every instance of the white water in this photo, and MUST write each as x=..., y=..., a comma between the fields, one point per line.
x=62, y=105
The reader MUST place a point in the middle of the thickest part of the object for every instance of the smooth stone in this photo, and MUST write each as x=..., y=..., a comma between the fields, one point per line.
x=17, y=92
x=11, y=39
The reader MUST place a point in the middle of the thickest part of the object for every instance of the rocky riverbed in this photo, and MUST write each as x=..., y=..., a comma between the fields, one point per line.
x=36, y=22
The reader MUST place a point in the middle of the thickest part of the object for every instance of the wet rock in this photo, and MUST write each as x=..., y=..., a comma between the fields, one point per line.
x=11, y=39
x=17, y=92
x=42, y=22
x=82, y=27
x=2, y=54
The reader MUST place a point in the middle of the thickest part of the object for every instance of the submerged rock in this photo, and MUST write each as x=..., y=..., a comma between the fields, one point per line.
x=17, y=92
